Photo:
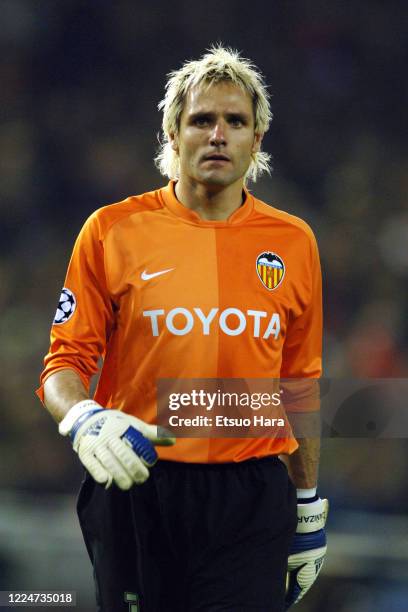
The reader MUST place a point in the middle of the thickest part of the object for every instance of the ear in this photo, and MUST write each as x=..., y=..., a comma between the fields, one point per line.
x=174, y=142
x=257, y=143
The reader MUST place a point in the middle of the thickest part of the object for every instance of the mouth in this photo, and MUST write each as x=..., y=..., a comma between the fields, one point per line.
x=216, y=157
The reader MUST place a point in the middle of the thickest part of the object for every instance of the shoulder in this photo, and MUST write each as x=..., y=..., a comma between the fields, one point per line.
x=295, y=226
x=103, y=219
x=283, y=217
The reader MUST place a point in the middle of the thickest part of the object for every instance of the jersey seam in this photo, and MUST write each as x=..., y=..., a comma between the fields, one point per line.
x=97, y=214
x=281, y=215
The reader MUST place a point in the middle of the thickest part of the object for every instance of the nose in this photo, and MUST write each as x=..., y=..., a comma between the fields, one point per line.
x=218, y=135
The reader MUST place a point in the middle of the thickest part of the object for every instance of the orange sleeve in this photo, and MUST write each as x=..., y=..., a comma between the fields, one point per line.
x=302, y=349
x=78, y=342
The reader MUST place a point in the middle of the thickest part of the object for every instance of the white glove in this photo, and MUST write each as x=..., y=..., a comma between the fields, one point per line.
x=112, y=445
x=308, y=549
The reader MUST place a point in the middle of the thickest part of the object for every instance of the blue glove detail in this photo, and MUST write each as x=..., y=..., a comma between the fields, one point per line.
x=79, y=422
x=307, y=551
x=307, y=541
x=293, y=589
x=141, y=445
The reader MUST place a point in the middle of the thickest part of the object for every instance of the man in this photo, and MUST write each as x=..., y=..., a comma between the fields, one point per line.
x=180, y=283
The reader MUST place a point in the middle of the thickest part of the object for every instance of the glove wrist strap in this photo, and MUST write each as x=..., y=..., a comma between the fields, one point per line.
x=74, y=413
x=306, y=494
x=312, y=516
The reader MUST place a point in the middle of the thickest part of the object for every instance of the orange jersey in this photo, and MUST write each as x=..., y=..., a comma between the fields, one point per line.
x=159, y=292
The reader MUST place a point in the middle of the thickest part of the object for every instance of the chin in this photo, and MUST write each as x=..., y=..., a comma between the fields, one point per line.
x=217, y=179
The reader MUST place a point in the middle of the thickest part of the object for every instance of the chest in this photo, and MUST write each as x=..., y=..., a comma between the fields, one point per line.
x=200, y=273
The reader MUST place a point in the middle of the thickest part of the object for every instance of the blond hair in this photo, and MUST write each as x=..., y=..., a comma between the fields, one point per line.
x=219, y=64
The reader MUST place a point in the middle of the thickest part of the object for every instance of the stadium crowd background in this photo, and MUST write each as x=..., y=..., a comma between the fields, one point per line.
x=80, y=83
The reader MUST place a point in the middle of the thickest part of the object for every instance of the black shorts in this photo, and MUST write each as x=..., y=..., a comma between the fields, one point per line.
x=193, y=537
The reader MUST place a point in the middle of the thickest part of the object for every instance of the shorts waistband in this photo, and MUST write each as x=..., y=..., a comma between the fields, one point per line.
x=235, y=465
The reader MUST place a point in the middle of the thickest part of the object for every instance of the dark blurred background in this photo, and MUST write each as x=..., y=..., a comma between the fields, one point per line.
x=80, y=83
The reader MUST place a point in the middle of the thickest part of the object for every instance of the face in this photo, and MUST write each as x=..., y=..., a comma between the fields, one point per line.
x=216, y=136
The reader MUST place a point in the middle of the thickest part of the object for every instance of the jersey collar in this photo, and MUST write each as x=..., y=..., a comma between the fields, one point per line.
x=171, y=202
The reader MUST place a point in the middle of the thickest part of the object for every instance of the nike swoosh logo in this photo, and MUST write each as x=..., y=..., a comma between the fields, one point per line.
x=145, y=276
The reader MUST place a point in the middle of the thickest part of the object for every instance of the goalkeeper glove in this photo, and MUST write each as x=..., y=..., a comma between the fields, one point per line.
x=112, y=445
x=308, y=549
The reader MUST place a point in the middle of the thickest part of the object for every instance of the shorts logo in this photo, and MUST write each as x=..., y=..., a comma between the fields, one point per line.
x=66, y=307
x=270, y=269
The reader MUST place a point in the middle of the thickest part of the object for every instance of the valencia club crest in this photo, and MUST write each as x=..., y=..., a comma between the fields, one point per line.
x=270, y=269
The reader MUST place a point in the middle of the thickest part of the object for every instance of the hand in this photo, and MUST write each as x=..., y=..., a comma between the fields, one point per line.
x=307, y=551
x=112, y=445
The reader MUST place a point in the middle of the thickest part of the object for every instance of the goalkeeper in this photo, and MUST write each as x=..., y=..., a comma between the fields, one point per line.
x=198, y=279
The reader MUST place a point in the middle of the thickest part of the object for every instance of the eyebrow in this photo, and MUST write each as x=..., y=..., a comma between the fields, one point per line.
x=210, y=115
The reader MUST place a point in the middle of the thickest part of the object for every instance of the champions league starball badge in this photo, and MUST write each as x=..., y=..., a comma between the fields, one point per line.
x=66, y=307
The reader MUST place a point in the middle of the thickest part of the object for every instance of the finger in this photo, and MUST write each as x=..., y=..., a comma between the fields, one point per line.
x=113, y=467
x=94, y=467
x=165, y=440
x=157, y=435
x=140, y=445
x=109, y=482
x=133, y=465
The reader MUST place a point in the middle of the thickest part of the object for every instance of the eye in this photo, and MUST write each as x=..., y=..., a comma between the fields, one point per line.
x=201, y=121
x=236, y=121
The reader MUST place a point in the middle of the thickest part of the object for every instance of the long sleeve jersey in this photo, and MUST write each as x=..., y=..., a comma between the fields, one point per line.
x=158, y=292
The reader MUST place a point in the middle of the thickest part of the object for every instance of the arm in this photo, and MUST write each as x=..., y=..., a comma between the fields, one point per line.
x=112, y=445
x=301, y=366
x=301, y=361
x=62, y=390
x=303, y=464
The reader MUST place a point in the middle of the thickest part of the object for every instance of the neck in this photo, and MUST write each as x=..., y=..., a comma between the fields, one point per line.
x=211, y=204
